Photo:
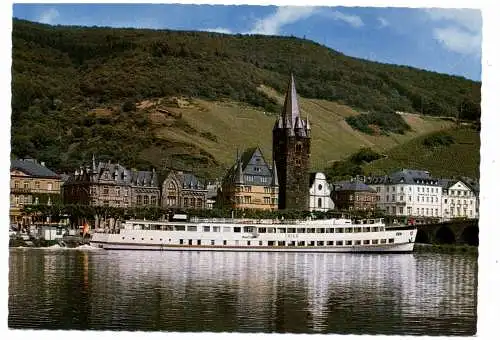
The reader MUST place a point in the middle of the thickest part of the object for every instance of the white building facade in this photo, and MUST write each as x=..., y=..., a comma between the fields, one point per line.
x=408, y=193
x=459, y=200
x=319, y=193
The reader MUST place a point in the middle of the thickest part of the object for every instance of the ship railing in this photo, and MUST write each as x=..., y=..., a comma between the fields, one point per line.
x=243, y=221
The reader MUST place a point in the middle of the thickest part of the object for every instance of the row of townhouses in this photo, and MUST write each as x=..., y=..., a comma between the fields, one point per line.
x=251, y=182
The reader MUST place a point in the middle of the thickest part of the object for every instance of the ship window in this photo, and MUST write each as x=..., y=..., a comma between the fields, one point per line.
x=321, y=230
x=271, y=230
x=123, y=238
x=357, y=242
x=181, y=241
x=151, y=239
x=348, y=243
x=329, y=243
x=348, y=230
x=212, y=242
x=248, y=243
x=262, y=230
x=227, y=229
x=311, y=230
x=247, y=229
x=339, y=230
x=161, y=239
x=270, y=243
x=291, y=230
x=321, y=243
x=399, y=234
x=190, y=242
x=133, y=238
x=383, y=241
x=366, y=241
x=374, y=228
x=198, y=242
x=339, y=243
x=357, y=230
x=260, y=243
x=374, y=241
x=180, y=228
x=330, y=230
x=366, y=229
x=302, y=243
x=281, y=230
x=391, y=240
x=192, y=228
x=311, y=244
x=216, y=229
x=206, y=229
x=301, y=230
x=237, y=229
x=225, y=242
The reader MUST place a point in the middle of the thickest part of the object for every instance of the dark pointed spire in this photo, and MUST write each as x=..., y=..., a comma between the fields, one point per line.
x=291, y=106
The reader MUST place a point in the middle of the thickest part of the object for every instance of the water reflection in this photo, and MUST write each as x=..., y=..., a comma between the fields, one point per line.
x=244, y=292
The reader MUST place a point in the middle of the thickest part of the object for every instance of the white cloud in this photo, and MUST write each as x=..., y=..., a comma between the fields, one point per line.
x=48, y=16
x=218, y=30
x=353, y=20
x=458, y=30
x=383, y=22
x=458, y=40
x=469, y=19
x=271, y=25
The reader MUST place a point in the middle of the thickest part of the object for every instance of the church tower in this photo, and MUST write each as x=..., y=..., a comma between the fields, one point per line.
x=291, y=152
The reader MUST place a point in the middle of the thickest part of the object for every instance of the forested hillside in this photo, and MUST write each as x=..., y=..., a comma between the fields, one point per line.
x=75, y=90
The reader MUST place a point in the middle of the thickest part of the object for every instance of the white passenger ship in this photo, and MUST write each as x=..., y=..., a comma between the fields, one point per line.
x=331, y=235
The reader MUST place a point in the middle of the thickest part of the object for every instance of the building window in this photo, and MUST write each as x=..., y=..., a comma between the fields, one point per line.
x=139, y=199
x=26, y=185
x=267, y=200
x=186, y=202
x=298, y=148
x=105, y=191
x=153, y=200
x=298, y=162
x=199, y=203
x=146, y=200
x=401, y=210
x=319, y=203
x=117, y=191
x=37, y=185
x=248, y=199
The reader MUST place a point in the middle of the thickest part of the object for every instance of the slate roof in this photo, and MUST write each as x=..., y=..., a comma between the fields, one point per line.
x=190, y=181
x=32, y=168
x=407, y=176
x=352, y=186
x=446, y=183
x=249, y=161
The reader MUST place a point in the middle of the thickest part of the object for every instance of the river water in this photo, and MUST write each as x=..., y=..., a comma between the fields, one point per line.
x=432, y=294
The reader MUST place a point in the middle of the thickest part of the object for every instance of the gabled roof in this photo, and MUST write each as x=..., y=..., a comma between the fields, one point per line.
x=446, y=183
x=33, y=168
x=250, y=163
x=352, y=186
x=406, y=176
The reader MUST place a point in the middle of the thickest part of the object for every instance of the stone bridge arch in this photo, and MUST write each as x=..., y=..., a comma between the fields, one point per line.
x=453, y=232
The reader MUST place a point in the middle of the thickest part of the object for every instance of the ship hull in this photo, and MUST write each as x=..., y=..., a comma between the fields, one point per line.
x=383, y=248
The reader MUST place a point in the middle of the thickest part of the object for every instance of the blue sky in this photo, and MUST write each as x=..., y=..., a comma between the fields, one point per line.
x=442, y=40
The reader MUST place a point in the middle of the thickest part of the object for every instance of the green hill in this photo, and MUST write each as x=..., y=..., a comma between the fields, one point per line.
x=452, y=152
x=143, y=97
